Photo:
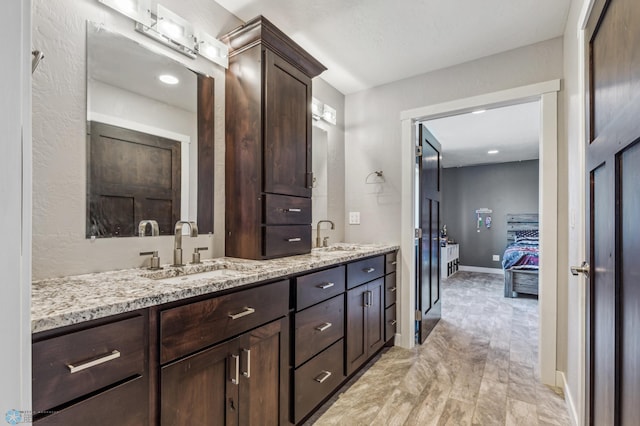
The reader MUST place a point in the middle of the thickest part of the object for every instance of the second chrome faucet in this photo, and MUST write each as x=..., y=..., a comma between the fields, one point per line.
x=177, y=246
x=319, y=242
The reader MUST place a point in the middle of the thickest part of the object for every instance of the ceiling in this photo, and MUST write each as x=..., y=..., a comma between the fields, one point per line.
x=466, y=138
x=367, y=43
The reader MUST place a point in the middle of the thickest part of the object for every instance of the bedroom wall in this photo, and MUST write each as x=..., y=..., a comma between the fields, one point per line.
x=504, y=188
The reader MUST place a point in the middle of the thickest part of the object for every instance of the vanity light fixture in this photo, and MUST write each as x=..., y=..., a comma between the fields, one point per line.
x=172, y=30
x=316, y=109
x=213, y=49
x=329, y=114
x=493, y=151
x=138, y=10
x=168, y=79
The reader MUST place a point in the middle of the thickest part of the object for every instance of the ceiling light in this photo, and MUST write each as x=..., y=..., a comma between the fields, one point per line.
x=169, y=79
x=480, y=111
x=493, y=151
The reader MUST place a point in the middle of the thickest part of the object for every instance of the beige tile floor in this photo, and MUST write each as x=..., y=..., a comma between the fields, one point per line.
x=478, y=367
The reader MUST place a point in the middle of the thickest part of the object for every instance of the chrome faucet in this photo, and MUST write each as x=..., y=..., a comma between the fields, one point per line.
x=142, y=228
x=319, y=242
x=177, y=246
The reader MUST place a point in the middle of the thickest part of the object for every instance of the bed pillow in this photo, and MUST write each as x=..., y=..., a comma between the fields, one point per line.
x=531, y=235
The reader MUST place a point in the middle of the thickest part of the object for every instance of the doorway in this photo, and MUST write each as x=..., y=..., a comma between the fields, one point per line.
x=546, y=93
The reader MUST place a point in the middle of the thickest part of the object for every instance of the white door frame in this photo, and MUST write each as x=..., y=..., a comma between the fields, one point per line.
x=547, y=94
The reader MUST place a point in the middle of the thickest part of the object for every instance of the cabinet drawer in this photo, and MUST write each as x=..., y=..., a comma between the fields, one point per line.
x=126, y=405
x=390, y=322
x=319, y=286
x=286, y=210
x=317, y=379
x=318, y=327
x=390, y=289
x=99, y=356
x=364, y=271
x=186, y=329
x=286, y=240
x=390, y=262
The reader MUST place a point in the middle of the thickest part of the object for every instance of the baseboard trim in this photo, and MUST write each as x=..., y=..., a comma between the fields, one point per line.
x=481, y=269
x=561, y=381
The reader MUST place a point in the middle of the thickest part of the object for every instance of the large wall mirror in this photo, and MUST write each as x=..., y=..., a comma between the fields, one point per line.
x=320, y=190
x=149, y=139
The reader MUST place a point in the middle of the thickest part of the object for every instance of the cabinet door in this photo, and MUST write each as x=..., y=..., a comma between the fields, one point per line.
x=356, y=320
x=375, y=316
x=199, y=390
x=287, y=128
x=263, y=374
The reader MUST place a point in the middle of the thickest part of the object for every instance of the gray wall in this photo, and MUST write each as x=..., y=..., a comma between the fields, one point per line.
x=504, y=188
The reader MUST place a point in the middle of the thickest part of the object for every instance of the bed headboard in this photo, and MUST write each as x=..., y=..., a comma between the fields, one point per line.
x=520, y=222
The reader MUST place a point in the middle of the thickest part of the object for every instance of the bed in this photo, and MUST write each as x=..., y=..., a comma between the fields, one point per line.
x=520, y=259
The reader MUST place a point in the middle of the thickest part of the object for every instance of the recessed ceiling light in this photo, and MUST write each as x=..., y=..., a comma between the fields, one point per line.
x=493, y=151
x=168, y=79
x=479, y=111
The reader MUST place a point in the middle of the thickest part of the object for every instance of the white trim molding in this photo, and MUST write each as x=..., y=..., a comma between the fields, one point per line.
x=561, y=382
x=481, y=269
x=547, y=93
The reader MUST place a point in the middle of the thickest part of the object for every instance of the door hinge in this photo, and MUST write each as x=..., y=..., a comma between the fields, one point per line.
x=418, y=315
x=310, y=180
x=419, y=151
x=418, y=233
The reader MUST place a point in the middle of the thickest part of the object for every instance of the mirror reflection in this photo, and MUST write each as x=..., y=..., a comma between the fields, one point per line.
x=320, y=194
x=142, y=125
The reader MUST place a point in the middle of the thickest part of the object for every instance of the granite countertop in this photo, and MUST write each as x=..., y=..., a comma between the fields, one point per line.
x=58, y=302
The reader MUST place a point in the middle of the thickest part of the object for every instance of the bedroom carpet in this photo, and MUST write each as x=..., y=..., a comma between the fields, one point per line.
x=478, y=366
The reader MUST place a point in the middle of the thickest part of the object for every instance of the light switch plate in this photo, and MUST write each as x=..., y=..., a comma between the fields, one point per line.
x=496, y=257
x=354, y=218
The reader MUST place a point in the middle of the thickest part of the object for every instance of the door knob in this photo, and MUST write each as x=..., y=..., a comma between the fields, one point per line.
x=584, y=268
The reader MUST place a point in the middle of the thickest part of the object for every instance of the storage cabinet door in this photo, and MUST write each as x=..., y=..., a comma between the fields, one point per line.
x=356, y=321
x=199, y=391
x=263, y=375
x=287, y=129
x=375, y=316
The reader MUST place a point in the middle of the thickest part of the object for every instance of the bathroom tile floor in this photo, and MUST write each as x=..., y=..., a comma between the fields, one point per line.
x=477, y=367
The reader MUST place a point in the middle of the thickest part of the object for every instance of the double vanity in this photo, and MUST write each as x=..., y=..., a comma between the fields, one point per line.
x=227, y=341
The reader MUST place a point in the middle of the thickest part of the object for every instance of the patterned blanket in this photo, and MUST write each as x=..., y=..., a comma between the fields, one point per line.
x=521, y=255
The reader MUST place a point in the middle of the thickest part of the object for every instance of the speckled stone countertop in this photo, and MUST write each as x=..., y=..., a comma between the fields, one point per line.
x=58, y=302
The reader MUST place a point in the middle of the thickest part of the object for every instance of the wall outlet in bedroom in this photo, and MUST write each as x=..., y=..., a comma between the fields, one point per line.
x=496, y=258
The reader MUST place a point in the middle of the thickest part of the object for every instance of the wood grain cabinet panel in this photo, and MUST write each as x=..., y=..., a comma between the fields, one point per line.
x=111, y=353
x=365, y=323
x=390, y=289
x=318, y=327
x=318, y=286
x=390, y=262
x=285, y=210
x=364, y=271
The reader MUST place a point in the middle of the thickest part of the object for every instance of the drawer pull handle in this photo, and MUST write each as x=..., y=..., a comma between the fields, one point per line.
x=247, y=311
x=94, y=362
x=247, y=373
x=369, y=270
x=324, y=326
x=294, y=240
x=323, y=376
x=395, y=262
x=293, y=210
x=235, y=369
x=393, y=322
x=325, y=285
x=392, y=289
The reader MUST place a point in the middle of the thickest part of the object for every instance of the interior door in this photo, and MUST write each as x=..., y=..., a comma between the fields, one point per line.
x=428, y=295
x=613, y=205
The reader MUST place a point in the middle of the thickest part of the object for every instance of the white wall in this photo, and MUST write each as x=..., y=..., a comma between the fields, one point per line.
x=574, y=132
x=372, y=140
x=59, y=137
x=15, y=209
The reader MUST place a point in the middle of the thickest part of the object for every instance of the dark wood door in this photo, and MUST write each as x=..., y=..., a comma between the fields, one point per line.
x=263, y=375
x=132, y=176
x=287, y=128
x=428, y=279
x=202, y=389
x=355, y=331
x=613, y=203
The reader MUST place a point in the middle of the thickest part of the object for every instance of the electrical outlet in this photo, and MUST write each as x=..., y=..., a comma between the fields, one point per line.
x=354, y=218
x=496, y=258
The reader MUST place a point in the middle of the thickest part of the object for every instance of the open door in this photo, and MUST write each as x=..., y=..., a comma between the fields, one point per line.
x=613, y=206
x=428, y=247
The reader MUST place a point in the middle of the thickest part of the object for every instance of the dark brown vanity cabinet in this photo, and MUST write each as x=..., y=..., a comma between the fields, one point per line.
x=244, y=379
x=390, y=296
x=268, y=143
x=80, y=375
